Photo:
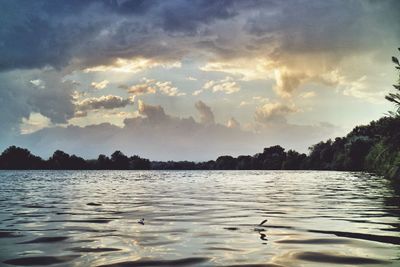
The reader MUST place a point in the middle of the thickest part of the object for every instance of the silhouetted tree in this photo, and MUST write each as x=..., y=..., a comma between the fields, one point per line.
x=294, y=161
x=356, y=151
x=103, y=162
x=59, y=160
x=321, y=155
x=17, y=158
x=244, y=163
x=119, y=161
x=137, y=163
x=77, y=163
x=272, y=158
x=225, y=163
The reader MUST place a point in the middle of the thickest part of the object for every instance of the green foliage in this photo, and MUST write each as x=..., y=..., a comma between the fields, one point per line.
x=382, y=159
x=294, y=161
x=395, y=97
x=272, y=158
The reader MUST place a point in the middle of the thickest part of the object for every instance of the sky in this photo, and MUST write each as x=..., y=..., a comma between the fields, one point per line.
x=191, y=80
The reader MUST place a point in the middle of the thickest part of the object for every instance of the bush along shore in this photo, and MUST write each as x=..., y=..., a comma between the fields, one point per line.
x=372, y=148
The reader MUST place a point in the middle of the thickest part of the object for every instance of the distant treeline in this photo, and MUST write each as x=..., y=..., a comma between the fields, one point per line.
x=374, y=147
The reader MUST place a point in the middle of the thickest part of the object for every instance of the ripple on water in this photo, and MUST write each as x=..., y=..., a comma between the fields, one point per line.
x=370, y=237
x=41, y=260
x=178, y=262
x=335, y=258
x=223, y=249
x=82, y=221
x=204, y=220
x=255, y=265
x=93, y=204
x=8, y=234
x=46, y=239
x=87, y=229
x=90, y=250
x=313, y=241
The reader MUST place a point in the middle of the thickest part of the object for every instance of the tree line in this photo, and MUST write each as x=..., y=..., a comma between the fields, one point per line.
x=363, y=149
x=17, y=158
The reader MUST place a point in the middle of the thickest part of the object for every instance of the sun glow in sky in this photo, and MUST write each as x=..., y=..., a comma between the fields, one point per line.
x=191, y=79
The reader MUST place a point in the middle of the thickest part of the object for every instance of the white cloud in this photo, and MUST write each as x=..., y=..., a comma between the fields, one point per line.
x=361, y=88
x=273, y=113
x=167, y=88
x=99, y=85
x=146, y=87
x=38, y=83
x=310, y=94
x=254, y=101
x=244, y=69
x=197, y=92
x=35, y=122
x=232, y=123
x=243, y=103
x=226, y=85
x=151, y=86
x=134, y=65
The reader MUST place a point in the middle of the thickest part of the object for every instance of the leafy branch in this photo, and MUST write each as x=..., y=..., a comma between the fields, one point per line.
x=395, y=97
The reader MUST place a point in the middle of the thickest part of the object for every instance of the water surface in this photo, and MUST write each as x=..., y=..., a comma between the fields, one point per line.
x=197, y=218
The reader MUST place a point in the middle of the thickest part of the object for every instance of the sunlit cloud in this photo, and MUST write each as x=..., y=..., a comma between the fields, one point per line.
x=151, y=86
x=310, y=94
x=232, y=123
x=255, y=100
x=244, y=69
x=102, y=102
x=167, y=88
x=142, y=88
x=134, y=65
x=360, y=89
x=35, y=122
x=288, y=74
x=99, y=85
x=273, y=112
x=226, y=85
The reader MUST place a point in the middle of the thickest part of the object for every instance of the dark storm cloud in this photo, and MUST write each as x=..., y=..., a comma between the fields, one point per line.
x=35, y=34
x=337, y=26
x=188, y=16
x=54, y=33
x=13, y=108
x=135, y=7
x=22, y=93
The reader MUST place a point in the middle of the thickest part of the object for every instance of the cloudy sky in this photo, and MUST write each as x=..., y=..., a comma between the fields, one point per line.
x=191, y=79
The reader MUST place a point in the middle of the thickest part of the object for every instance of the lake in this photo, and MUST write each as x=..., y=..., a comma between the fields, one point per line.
x=198, y=218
